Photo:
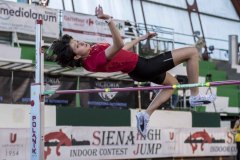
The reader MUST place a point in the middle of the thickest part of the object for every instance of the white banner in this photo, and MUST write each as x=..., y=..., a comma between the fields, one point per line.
x=103, y=143
x=14, y=144
x=91, y=143
x=19, y=17
x=206, y=141
x=88, y=28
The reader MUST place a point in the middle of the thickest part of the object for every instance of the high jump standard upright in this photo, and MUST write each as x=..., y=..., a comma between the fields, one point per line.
x=37, y=99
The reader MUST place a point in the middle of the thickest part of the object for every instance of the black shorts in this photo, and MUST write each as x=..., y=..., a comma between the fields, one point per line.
x=153, y=69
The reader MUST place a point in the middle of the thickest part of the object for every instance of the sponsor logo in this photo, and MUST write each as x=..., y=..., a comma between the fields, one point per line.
x=60, y=139
x=4, y=7
x=6, y=12
x=201, y=137
x=107, y=96
x=90, y=22
x=171, y=135
x=76, y=20
x=12, y=150
x=34, y=136
x=13, y=138
x=52, y=83
x=103, y=143
x=119, y=26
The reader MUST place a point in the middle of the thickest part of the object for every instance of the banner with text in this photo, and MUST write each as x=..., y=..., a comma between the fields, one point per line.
x=118, y=143
x=123, y=100
x=88, y=28
x=14, y=144
x=206, y=141
x=19, y=17
x=15, y=88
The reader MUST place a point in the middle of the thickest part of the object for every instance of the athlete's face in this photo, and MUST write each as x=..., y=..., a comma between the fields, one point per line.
x=80, y=48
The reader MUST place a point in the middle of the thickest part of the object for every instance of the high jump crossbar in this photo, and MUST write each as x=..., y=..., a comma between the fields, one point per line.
x=127, y=89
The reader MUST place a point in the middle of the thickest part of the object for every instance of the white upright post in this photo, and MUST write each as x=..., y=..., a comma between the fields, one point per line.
x=37, y=100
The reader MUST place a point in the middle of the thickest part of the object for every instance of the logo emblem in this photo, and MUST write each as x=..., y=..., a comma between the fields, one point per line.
x=107, y=96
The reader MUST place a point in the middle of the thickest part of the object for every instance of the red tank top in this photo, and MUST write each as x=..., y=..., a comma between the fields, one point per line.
x=124, y=60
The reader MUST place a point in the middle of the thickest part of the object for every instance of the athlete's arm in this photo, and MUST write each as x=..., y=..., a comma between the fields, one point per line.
x=129, y=45
x=117, y=39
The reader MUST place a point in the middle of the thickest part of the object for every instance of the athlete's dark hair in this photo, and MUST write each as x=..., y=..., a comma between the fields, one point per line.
x=63, y=53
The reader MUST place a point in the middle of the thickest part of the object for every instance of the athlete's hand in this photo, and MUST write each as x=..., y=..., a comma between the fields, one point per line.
x=148, y=36
x=99, y=13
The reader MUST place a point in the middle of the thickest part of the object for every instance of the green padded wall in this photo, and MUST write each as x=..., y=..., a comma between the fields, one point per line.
x=207, y=65
x=92, y=117
x=230, y=91
x=28, y=52
x=200, y=119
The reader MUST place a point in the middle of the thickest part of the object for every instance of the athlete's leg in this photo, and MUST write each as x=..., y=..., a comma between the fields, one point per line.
x=162, y=96
x=143, y=117
x=191, y=57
